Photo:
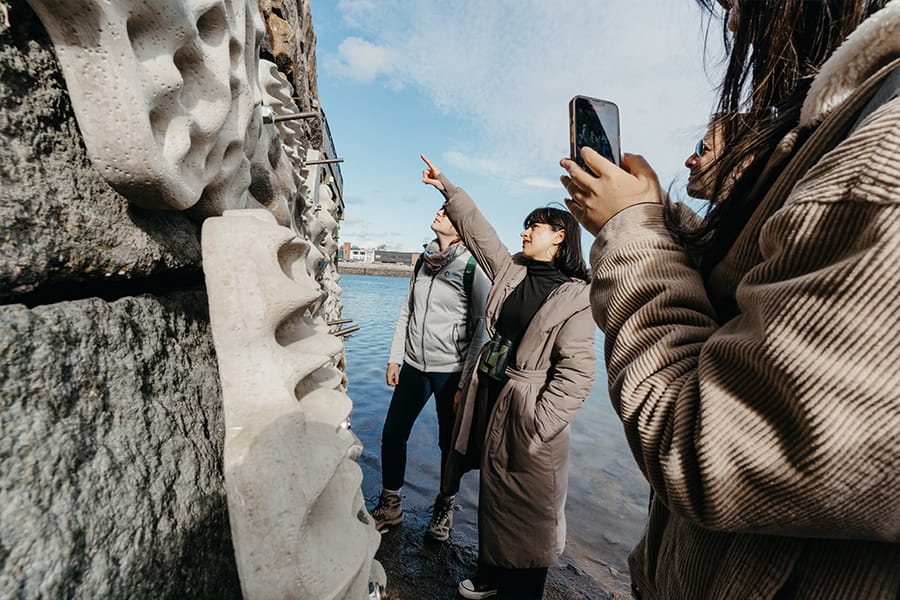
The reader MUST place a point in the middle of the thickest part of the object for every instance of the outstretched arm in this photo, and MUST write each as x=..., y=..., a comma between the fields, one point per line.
x=477, y=234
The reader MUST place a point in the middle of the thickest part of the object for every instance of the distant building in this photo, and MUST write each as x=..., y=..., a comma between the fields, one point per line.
x=391, y=256
x=354, y=254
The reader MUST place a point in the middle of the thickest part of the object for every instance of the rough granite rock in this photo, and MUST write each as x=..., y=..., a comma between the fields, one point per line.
x=295, y=55
x=61, y=221
x=111, y=438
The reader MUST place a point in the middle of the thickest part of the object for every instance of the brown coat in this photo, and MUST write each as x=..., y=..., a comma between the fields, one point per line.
x=524, y=461
x=772, y=438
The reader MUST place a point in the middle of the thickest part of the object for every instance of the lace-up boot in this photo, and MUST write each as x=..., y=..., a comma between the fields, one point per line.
x=441, y=519
x=388, y=511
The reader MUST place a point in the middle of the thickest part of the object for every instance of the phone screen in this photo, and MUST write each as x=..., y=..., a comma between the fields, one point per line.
x=595, y=123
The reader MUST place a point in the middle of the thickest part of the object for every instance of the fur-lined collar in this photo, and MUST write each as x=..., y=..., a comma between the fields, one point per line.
x=875, y=41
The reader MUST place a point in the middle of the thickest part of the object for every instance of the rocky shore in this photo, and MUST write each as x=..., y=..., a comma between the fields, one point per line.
x=383, y=269
x=418, y=568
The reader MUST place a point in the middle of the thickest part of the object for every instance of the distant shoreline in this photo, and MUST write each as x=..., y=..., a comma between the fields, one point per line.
x=383, y=269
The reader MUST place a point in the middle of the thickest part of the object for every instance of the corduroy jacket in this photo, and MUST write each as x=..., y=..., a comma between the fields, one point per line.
x=772, y=438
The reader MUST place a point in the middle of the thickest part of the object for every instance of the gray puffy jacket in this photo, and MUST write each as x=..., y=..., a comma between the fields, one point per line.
x=431, y=330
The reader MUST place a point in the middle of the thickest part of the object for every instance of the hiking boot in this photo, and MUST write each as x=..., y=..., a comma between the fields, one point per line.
x=441, y=519
x=476, y=587
x=388, y=511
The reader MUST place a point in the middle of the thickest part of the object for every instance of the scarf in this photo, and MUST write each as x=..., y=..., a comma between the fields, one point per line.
x=435, y=259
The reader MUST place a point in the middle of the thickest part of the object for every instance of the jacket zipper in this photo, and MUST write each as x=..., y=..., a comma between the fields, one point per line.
x=425, y=318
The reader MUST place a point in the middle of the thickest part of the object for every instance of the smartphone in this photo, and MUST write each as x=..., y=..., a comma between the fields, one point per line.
x=594, y=123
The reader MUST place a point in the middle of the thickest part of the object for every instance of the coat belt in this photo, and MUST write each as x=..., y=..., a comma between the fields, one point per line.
x=527, y=376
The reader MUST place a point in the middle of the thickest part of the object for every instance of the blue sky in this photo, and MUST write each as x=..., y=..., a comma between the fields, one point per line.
x=482, y=89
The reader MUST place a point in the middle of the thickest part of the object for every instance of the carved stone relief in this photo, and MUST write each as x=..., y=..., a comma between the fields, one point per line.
x=299, y=521
x=166, y=95
x=275, y=180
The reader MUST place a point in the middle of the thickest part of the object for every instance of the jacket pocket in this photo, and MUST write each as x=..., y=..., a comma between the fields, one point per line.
x=523, y=446
x=458, y=340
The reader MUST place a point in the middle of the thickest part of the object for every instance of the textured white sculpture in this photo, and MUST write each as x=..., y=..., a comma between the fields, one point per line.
x=326, y=212
x=315, y=217
x=278, y=94
x=275, y=180
x=298, y=519
x=166, y=95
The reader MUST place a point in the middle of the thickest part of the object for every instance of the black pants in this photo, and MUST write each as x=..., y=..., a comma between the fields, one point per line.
x=410, y=396
x=515, y=584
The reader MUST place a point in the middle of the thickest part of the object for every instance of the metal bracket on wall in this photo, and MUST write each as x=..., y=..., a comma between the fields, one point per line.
x=269, y=116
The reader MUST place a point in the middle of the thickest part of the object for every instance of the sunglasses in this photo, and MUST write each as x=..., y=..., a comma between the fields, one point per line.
x=701, y=148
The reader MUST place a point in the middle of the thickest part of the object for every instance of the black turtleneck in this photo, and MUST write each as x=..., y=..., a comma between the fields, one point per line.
x=521, y=305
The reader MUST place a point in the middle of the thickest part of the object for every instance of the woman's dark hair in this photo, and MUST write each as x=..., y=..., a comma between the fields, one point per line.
x=776, y=51
x=569, y=259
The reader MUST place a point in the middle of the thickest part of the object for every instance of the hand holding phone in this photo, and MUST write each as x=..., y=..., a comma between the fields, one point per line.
x=594, y=123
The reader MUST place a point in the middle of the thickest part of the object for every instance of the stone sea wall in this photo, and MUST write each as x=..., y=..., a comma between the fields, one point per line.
x=111, y=419
x=111, y=449
x=385, y=270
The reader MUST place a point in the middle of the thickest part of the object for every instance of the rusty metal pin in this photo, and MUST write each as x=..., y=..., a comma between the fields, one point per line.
x=346, y=332
x=269, y=116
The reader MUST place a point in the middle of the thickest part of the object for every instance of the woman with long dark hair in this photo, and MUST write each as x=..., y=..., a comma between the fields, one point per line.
x=532, y=377
x=752, y=359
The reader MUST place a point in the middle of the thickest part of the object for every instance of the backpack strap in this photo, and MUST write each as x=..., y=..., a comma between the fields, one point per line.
x=418, y=266
x=468, y=279
x=412, y=283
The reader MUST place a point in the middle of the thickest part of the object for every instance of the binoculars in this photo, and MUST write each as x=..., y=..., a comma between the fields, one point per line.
x=493, y=363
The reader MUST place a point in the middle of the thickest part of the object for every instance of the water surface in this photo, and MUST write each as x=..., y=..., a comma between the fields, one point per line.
x=607, y=502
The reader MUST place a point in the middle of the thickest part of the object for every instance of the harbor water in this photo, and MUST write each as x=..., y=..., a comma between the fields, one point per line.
x=607, y=501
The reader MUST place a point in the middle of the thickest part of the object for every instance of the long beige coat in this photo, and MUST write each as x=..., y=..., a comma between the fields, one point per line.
x=524, y=462
x=772, y=438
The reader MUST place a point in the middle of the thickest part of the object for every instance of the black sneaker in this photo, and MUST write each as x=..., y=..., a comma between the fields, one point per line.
x=441, y=519
x=476, y=588
x=388, y=512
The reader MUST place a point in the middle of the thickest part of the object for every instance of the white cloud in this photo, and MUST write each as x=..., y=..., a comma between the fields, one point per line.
x=354, y=11
x=480, y=165
x=367, y=238
x=509, y=68
x=542, y=183
x=363, y=61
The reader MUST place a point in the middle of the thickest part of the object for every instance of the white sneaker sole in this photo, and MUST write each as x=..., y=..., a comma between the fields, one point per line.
x=468, y=591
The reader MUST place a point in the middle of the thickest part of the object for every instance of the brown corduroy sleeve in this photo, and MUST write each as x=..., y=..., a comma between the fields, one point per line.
x=786, y=419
